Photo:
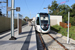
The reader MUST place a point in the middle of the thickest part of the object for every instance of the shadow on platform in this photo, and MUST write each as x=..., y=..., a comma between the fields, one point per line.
x=27, y=41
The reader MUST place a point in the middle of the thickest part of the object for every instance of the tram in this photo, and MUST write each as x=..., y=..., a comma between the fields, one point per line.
x=42, y=23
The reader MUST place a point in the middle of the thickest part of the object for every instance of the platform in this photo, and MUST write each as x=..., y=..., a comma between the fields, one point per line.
x=25, y=40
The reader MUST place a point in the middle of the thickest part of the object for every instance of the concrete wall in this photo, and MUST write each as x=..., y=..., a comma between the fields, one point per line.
x=55, y=19
x=5, y=23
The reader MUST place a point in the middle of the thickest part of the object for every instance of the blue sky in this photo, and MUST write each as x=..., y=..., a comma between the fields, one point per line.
x=31, y=7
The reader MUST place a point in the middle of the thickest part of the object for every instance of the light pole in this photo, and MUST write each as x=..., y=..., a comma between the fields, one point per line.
x=6, y=10
x=12, y=21
x=68, y=40
x=6, y=6
x=48, y=9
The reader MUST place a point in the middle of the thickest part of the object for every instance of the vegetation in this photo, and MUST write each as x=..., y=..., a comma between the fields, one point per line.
x=63, y=31
x=63, y=9
x=26, y=17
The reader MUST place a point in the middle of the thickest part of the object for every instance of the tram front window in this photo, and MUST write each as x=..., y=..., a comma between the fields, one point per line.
x=44, y=19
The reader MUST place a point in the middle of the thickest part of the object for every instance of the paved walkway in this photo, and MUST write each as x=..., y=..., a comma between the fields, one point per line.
x=25, y=41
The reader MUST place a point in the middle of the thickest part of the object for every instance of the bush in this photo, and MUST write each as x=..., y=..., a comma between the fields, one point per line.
x=63, y=31
x=72, y=20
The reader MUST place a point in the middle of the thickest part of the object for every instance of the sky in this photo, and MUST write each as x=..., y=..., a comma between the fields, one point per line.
x=31, y=7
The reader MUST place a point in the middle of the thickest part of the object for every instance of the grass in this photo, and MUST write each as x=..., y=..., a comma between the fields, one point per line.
x=63, y=31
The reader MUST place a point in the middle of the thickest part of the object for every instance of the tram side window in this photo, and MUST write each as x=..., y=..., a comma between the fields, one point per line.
x=37, y=21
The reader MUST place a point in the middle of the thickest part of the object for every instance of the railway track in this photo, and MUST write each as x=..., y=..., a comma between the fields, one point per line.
x=50, y=43
x=43, y=44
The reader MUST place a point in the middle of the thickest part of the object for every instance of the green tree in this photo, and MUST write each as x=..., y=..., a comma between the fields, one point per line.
x=26, y=17
x=63, y=10
x=56, y=9
x=73, y=10
x=53, y=8
x=72, y=21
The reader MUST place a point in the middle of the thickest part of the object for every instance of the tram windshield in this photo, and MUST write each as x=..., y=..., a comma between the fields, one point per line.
x=44, y=19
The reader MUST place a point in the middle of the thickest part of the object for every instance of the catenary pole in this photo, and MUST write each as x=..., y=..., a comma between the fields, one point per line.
x=12, y=21
x=68, y=28
x=12, y=18
x=7, y=8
